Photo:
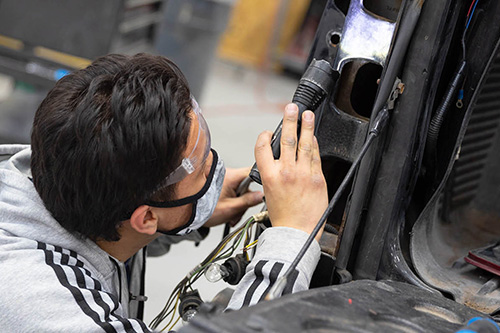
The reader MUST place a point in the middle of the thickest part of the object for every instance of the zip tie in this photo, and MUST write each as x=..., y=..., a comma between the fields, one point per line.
x=193, y=271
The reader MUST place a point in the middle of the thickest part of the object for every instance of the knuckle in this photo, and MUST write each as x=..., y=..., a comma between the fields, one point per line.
x=264, y=135
x=316, y=160
x=317, y=180
x=260, y=146
x=306, y=147
x=248, y=203
x=288, y=141
x=287, y=175
x=267, y=177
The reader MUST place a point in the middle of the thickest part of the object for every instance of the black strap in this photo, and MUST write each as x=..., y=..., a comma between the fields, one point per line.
x=192, y=198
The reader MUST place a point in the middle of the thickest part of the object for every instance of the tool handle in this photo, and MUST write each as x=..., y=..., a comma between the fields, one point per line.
x=318, y=79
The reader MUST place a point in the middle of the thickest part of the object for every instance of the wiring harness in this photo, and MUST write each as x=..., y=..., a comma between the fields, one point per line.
x=222, y=251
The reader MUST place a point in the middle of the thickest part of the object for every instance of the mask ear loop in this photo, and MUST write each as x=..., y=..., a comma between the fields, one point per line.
x=174, y=232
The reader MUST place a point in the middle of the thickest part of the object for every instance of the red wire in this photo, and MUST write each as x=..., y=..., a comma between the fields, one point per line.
x=470, y=8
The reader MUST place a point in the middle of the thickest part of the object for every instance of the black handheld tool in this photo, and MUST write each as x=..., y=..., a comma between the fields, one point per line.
x=318, y=79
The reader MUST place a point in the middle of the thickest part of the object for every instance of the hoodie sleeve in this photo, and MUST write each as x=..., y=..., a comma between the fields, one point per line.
x=46, y=288
x=276, y=250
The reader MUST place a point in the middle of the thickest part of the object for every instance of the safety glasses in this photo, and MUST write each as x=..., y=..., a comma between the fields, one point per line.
x=198, y=154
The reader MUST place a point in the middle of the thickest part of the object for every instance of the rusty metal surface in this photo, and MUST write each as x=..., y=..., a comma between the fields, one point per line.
x=438, y=250
x=328, y=242
x=464, y=214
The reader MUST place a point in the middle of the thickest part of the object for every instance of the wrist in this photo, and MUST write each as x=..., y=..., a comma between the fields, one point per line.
x=298, y=226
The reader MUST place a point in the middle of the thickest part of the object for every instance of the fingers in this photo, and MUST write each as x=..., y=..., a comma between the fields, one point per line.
x=305, y=149
x=289, y=134
x=263, y=153
x=247, y=200
x=236, y=207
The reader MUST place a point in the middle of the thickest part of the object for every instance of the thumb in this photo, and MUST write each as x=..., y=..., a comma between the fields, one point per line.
x=236, y=176
x=247, y=200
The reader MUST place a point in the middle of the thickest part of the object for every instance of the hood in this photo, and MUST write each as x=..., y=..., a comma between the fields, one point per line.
x=23, y=214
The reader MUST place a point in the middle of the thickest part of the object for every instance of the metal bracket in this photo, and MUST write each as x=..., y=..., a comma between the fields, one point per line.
x=397, y=89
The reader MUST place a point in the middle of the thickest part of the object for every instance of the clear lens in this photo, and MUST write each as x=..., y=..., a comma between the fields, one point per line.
x=215, y=272
x=198, y=155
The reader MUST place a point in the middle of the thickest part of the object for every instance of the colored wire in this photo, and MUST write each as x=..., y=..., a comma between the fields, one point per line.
x=468, y=19
x=469, y=16
x=173, y=325
x=221, y=251
x=173, y=314
x=470, y=8
x=252, y=244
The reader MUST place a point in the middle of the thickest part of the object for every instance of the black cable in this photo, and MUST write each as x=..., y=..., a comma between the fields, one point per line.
x=438, y=118
x=331, y=229
x=378, y=125
x=439, y=114
x=227, y=230
x=314, y=85
x=463, y=46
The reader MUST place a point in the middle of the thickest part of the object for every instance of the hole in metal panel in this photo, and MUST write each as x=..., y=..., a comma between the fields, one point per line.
x=334, y=39
x=364, y=89
x=343, y=5
x=357, y=87
x=387, y=9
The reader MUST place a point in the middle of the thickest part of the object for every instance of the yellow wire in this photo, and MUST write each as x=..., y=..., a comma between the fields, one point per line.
x=251, y=244
x=226, y=242
x=173, y=314
x=173, y=325
x=223, y=246
x=245, y=229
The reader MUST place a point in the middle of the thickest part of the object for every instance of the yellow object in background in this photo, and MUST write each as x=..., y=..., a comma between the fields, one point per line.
x=256, y=32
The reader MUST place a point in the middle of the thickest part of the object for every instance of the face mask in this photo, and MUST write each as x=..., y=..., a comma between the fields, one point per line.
x=204, y=201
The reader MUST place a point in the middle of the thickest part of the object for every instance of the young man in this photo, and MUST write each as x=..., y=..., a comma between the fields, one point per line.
x=120, y=158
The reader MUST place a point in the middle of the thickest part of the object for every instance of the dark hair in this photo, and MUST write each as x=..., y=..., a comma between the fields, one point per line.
x=105, y=137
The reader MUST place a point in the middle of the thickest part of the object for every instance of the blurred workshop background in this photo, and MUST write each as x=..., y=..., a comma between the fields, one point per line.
x=242, y=58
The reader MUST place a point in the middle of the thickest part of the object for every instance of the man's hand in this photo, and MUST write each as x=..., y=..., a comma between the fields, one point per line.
x=294, y=186
x=231, y=208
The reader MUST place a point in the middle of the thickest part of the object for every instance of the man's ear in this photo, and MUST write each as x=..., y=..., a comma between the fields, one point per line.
x=144, y=221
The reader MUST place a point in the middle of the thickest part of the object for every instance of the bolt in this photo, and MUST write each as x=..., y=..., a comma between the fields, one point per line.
x=401, y=87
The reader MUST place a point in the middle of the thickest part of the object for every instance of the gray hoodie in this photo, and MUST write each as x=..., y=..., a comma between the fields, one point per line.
x=54, y=281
